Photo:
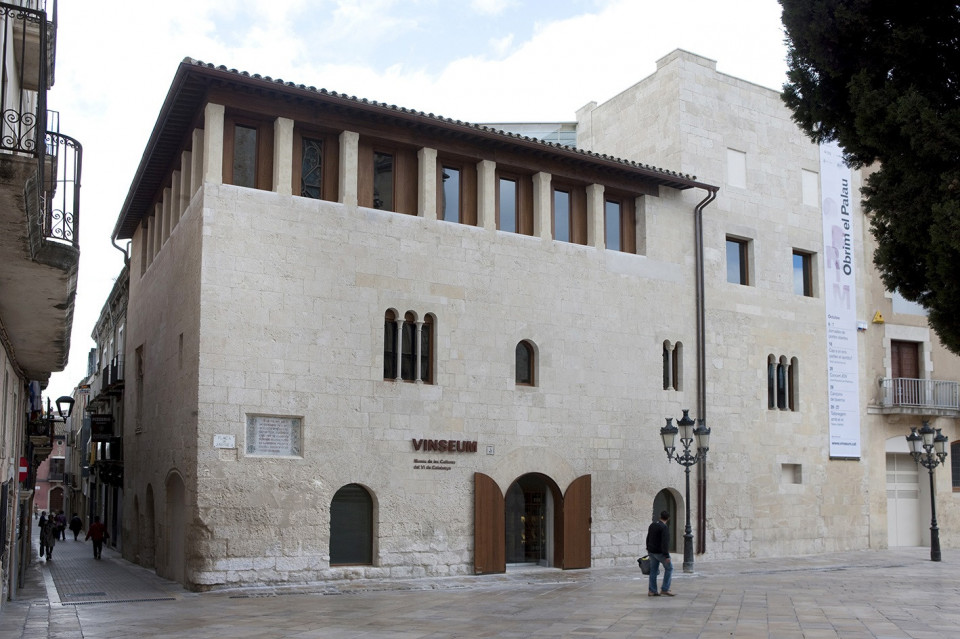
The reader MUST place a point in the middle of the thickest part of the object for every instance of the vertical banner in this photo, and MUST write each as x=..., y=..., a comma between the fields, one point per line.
x=840, y=296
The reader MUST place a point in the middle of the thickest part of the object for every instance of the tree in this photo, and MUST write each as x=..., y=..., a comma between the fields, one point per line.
x=882, y=78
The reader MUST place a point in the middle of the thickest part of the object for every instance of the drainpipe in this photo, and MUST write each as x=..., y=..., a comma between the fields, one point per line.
x=126, y=256
x=701, y=367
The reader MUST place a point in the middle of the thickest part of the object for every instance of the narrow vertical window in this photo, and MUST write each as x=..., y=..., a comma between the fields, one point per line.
x=426, y=350
x=390, y=345
x=737, y=261
x=955, y=465
x=793, y=390
x=612, y=225
x=771, y=382
x=508, y=205
x=524, y=364
x=383, y=181
x=802, y=276
x=408, y=345
x=451, y=194
x=561, y=216
x=244, y=156
x=311, y=169
x=782, y=385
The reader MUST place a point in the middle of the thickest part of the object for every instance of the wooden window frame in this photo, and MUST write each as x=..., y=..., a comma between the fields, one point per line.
x=627, y=221
x=264, y=146
x=578, y=211
x=468, y=189
x=405, y=170
x=330, y=163
x=524, y=200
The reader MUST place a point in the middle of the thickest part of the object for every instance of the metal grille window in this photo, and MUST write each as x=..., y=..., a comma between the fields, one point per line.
x=311, y=169
x=955, y=465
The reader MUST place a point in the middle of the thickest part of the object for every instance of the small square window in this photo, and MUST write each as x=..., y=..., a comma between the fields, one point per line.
x=737, y=270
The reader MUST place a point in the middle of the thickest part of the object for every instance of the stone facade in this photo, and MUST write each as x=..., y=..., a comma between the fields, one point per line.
x=252, y=304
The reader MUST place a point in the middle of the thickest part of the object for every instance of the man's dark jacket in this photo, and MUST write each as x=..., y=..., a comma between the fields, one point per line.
x=658, y=538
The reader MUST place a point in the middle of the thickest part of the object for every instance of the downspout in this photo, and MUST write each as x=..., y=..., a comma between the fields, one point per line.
x=701, y=367
x=126, y=255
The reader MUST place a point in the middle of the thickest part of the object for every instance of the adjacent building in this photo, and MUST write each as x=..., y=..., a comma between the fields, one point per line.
x=39, y=250
x=366, y=341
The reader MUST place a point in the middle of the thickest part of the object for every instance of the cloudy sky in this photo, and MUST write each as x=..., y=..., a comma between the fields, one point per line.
x=474, y=60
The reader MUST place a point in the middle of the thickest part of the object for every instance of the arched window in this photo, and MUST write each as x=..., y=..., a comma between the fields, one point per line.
x=408, y=347
x=390, y=351
x=783, y=390
x=351, y=526
x=525, y=364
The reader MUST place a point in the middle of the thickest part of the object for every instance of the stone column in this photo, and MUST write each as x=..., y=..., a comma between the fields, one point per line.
x=596, y=237
x=487, y=194
x=427, y=183
x=196, y=163
x=349, y=167
x=283, y=156
x=213, y=144
x=542, y=206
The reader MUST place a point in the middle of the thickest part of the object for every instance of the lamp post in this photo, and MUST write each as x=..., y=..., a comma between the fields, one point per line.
x=685, y=427
x=929, y=449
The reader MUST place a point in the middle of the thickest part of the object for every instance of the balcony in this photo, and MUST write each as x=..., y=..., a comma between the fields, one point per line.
x=919, y=397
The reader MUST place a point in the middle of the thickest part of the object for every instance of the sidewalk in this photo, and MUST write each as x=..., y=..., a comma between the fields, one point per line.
x=890, y=594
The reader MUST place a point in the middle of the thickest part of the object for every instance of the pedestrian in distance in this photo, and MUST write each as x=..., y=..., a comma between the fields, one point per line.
x=658, y=548
x=76, y=525
x=97, y=532
x=40, y=525
x=48, y=538
x=61, y=531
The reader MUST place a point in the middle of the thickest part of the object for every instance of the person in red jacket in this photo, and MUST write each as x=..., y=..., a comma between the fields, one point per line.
x=97, y=532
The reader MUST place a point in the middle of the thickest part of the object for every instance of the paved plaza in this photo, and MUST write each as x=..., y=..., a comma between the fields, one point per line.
x=889, y=594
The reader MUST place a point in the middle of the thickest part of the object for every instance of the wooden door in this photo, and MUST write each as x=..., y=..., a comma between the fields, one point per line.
x=576, y=524
x=489, y=554
x=905, y=369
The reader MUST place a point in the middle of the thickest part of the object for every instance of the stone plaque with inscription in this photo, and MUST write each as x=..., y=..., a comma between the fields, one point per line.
x=274, y=436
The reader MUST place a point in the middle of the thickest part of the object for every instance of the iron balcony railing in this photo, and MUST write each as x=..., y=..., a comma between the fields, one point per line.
x=904, y=392
x=60, y=175
x=27, y=46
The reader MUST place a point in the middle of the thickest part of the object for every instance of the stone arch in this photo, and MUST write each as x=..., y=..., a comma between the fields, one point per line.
x=353, y=526
x=672, y=501
x=173, y=564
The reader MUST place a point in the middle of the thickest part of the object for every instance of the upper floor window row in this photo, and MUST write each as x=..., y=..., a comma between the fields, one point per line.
x=387, y=180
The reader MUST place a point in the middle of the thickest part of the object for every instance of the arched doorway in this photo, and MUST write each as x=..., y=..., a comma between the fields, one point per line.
x=55, y=500
x=351, y=527
x=175, y=529
x=530, y=520
x=665, y=500
x=540, y=524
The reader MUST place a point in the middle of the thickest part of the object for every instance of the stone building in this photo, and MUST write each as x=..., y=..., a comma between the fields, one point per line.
x=365, y=341
x=39, y=254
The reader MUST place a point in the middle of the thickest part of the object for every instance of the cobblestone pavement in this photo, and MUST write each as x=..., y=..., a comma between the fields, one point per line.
x=890, y=594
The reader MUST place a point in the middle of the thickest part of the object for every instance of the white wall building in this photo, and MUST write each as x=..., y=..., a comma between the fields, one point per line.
x=366, y=341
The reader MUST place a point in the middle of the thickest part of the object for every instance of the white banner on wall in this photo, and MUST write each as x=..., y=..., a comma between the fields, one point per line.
x=840, y=295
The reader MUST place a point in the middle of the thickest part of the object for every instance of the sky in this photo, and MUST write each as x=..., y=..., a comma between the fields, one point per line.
x=473, y=60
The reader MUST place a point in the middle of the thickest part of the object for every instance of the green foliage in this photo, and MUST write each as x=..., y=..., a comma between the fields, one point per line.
x=883, y=79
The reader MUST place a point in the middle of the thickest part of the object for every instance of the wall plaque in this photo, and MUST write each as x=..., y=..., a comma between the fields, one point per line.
x=274, y=436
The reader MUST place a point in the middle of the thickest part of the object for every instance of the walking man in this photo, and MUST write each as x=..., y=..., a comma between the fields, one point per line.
x=658, y=548
x=98, y=532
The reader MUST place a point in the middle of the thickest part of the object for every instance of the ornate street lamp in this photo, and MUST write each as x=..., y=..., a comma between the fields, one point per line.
x=685, y=427
x=929, y=449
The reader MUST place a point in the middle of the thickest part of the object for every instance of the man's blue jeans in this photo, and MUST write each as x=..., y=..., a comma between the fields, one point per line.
x=656, y=559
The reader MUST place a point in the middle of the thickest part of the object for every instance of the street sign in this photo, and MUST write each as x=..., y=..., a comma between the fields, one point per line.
x=23, y=469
